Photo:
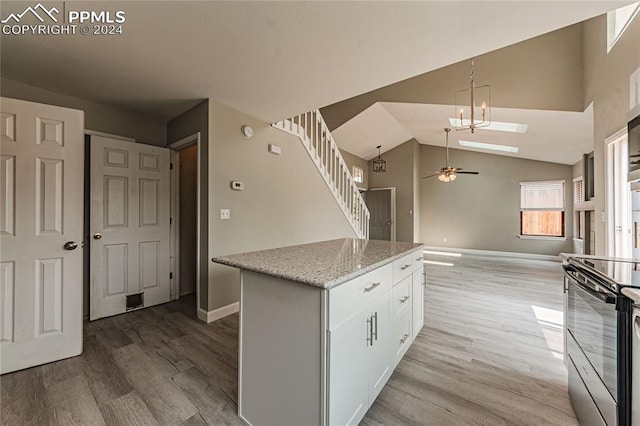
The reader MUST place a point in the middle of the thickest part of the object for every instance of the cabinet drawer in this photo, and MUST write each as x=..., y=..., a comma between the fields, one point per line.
x=403, y=267
x=401, y=297
x=400, y=338
x=351, y=297
x=418, y=259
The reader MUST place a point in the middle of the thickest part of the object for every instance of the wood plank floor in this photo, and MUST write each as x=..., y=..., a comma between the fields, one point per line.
x=489, y=354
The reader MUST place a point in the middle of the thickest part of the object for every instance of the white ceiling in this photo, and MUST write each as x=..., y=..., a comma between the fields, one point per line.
x=554, y=136
x=270, y=59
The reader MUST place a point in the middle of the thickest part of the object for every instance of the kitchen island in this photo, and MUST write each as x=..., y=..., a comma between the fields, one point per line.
x=322, y=327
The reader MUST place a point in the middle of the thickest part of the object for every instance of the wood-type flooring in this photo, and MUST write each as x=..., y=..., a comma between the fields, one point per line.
x=490, y=353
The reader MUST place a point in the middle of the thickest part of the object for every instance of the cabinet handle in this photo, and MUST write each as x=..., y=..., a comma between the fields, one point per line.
x=403, y=267
x=404, y=299
x=418, y=259
x=371, y=287
x=375, y=333
x=370, y=331
x=404, y=339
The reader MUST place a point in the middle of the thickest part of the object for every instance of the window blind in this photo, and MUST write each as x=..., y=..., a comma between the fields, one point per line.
x=578, y=190
x=545, y=195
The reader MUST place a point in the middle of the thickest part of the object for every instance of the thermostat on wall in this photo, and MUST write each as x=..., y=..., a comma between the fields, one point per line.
x=237, y=185
x=274, y=149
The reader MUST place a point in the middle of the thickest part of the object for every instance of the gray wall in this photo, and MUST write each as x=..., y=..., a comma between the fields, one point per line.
x=354, y=160
x=285, y=200
x=400, y=175
x=483, y=212
x=143, y=128
x=544, y=72
x=606, y=84
x=196, y=120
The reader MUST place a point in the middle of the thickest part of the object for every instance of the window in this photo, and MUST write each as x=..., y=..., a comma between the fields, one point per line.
x=578, y=190
x=542, y=206
x=358, y=174
x=618, y=20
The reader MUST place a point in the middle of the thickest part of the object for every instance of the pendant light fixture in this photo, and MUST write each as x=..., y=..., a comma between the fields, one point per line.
x=473, y=106
x=379, y=165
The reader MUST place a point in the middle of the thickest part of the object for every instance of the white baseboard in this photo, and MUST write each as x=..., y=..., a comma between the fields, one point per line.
x=496, y=253
x=216, y=314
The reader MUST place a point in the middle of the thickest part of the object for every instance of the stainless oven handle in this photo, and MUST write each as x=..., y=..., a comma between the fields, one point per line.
x=601, y=295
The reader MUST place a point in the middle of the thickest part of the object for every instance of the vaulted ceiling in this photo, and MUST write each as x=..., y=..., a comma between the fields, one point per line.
x=269, y=59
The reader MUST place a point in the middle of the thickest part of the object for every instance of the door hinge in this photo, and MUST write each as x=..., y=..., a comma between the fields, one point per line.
x=170, y=275
x=170, y=166
x=170, y=220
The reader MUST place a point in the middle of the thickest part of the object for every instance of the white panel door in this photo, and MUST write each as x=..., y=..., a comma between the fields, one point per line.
x=41, y=166
x=129, y=225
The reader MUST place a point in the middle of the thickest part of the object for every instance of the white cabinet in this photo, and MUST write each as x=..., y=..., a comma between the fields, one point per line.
x=318, y=356
x=359, y=363
x=377, y=358
x=348, y=377
x=418, y=284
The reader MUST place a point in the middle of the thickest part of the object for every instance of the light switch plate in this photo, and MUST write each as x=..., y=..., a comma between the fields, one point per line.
x=225, y=214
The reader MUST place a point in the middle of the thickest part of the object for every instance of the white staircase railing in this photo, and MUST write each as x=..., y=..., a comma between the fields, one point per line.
x=315, y=136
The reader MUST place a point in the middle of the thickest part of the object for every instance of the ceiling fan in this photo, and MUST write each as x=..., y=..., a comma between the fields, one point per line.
x=448, y=173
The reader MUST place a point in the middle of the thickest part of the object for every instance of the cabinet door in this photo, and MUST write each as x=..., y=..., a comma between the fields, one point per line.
x=418, y=301
x=348, y=391
x=379, y=351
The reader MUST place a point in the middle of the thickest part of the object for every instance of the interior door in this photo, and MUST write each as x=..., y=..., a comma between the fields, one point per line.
x=41, y=164
x=380, y=222
x=130, y=239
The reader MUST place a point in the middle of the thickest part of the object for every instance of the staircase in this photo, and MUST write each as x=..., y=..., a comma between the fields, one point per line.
x=311, y=129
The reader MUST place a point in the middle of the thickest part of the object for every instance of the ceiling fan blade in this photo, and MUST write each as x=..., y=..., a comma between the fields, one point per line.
x=468, y=173
x=430, y=176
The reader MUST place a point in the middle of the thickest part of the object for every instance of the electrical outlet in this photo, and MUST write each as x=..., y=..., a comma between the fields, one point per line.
x=444, y=240
x=225, y=214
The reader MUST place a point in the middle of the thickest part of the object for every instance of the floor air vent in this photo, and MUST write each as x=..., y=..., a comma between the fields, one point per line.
x=135, y=301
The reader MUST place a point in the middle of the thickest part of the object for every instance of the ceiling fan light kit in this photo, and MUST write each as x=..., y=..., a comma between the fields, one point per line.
x=473, y=106
x=448, y=173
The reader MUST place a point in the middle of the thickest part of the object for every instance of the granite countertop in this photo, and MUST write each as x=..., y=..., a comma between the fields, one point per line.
x=632, y=293
x=325, y=264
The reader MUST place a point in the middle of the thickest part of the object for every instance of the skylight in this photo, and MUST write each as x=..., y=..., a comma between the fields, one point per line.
x=489, y=146
x=617, y=22
x=495, y=125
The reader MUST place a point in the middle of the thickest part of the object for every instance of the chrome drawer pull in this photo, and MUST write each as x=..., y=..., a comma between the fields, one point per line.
x=404, y=299
x=404, y=267
x=371, y=287
x=404, y=339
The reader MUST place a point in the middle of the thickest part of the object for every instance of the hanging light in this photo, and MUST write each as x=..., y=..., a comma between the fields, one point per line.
x=473, y=106
x=379, y=165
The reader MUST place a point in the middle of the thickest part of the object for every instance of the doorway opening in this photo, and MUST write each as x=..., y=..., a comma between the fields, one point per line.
x=381, y=203
x=185, y=223
x=618, y=195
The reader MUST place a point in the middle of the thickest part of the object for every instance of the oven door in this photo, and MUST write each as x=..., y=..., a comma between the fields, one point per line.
x=592, y=322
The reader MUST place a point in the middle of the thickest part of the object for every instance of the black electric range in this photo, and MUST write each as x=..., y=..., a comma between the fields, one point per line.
x=615, y=273
x=598, y=337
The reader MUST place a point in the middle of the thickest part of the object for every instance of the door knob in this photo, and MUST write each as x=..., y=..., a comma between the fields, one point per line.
x=389, y=221
x=97, y=236
x=70, y=245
